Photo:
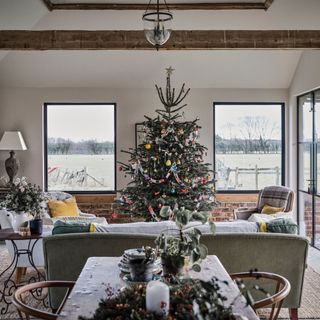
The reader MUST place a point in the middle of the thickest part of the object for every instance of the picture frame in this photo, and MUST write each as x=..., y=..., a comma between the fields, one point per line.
x=139, y=133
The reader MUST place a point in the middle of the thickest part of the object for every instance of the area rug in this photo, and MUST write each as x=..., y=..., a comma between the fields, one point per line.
x=310, y=308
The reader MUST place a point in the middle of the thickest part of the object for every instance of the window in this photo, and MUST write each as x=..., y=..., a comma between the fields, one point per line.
x=80, y=146
x=308, y=115
x=248, y=146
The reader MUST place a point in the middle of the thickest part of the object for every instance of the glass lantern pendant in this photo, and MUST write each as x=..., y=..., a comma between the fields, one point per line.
x=157, y=24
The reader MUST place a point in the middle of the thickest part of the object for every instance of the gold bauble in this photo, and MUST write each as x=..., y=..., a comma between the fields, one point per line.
x=168, y=163
x=148, y=146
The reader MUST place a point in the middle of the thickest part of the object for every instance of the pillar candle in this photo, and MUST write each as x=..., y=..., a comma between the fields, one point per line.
x=158, y=298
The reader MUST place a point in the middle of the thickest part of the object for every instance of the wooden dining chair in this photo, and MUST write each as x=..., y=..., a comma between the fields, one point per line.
x=23, y=308
x=257, y=279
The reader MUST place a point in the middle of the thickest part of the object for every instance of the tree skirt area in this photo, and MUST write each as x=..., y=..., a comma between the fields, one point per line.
x=310, y=308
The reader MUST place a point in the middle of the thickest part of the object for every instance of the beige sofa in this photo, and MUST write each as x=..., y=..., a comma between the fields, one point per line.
x=279, y=253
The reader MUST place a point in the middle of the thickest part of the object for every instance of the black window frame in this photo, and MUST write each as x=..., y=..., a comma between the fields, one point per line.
x=45, y=145
x=283, y=142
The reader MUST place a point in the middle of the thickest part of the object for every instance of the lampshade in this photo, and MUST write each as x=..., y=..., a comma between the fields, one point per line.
x=12, y=140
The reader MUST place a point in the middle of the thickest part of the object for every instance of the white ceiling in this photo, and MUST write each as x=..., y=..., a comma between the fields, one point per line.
x=141, y=69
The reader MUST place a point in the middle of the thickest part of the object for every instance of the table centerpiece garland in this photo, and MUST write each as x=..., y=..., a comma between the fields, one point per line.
x=190, y=299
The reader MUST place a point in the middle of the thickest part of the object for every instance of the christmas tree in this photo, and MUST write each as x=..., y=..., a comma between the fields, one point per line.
x=167, y=168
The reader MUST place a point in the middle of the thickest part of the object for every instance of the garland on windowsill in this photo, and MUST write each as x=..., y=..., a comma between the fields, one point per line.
x=189, y=299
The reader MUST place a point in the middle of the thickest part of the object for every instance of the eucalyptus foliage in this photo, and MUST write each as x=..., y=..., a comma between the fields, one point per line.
x=186, y=242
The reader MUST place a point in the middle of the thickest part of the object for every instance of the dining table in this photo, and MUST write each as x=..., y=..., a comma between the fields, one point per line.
x=102, y=274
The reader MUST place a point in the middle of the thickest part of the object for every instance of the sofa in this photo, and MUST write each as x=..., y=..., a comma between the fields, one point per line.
x=279, y=253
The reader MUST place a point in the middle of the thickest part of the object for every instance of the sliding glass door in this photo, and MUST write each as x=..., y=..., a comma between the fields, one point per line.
x=309, y=166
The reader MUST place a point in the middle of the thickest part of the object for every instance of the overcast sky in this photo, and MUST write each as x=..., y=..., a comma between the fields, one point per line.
x=81, y=122
x=228, y=119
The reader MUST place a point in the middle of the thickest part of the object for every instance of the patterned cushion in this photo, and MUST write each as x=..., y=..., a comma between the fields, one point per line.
x=274, y=196
x=282, y=226
x=82, y=219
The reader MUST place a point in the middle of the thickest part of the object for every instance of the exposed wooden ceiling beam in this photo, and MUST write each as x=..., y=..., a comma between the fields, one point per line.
x=179, y=40
x=224, y=5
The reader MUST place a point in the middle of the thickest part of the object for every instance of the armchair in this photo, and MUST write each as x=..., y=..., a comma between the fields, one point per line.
x=59, y=195
x=275, y=196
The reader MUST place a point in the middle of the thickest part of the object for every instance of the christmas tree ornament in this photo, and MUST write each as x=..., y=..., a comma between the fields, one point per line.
x=178, y=161
x=181, y=131
x=168, y=163
x=148, y=146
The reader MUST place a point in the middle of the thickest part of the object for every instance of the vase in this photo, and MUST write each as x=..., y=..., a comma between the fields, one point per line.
x=36, y=226
x=18, y=219
x=172, y=265
x=140, y=271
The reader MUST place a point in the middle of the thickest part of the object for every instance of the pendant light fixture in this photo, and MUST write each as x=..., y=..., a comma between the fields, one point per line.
x=157, y=24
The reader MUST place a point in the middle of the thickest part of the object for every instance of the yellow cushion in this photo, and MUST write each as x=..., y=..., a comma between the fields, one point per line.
x=271, y=210
x=66, y=208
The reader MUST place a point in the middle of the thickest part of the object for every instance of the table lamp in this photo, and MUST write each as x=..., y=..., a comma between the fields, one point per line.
x=12, y=140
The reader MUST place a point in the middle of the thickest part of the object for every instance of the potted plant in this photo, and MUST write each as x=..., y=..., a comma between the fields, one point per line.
x=176, y=249
x=24, y=199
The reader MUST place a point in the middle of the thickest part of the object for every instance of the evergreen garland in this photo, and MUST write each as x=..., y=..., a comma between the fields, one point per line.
x=168, y=167
x=190, y=299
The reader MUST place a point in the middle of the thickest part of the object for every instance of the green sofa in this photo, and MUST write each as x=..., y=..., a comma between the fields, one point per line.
x=65, y=255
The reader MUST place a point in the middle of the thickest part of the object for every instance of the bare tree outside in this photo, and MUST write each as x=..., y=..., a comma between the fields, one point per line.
x=248, y=146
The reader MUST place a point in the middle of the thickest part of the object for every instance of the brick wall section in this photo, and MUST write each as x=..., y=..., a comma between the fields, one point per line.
x=102, y=206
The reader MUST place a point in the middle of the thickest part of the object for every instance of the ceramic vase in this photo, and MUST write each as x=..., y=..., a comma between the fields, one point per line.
x=18, y=219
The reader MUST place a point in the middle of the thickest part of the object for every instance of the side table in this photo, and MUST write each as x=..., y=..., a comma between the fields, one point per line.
x=9, y=284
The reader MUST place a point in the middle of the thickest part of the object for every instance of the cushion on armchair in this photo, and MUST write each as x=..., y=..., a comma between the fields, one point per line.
x=271, y=210
x=63, y=208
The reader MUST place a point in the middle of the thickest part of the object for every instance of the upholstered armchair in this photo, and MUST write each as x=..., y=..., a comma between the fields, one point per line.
x=274, y=196
x=59, y=195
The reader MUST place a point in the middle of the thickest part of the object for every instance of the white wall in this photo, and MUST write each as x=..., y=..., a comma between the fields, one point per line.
x=21, y=109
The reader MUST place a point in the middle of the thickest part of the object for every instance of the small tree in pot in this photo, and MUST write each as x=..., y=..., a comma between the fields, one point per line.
x=176, y=249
